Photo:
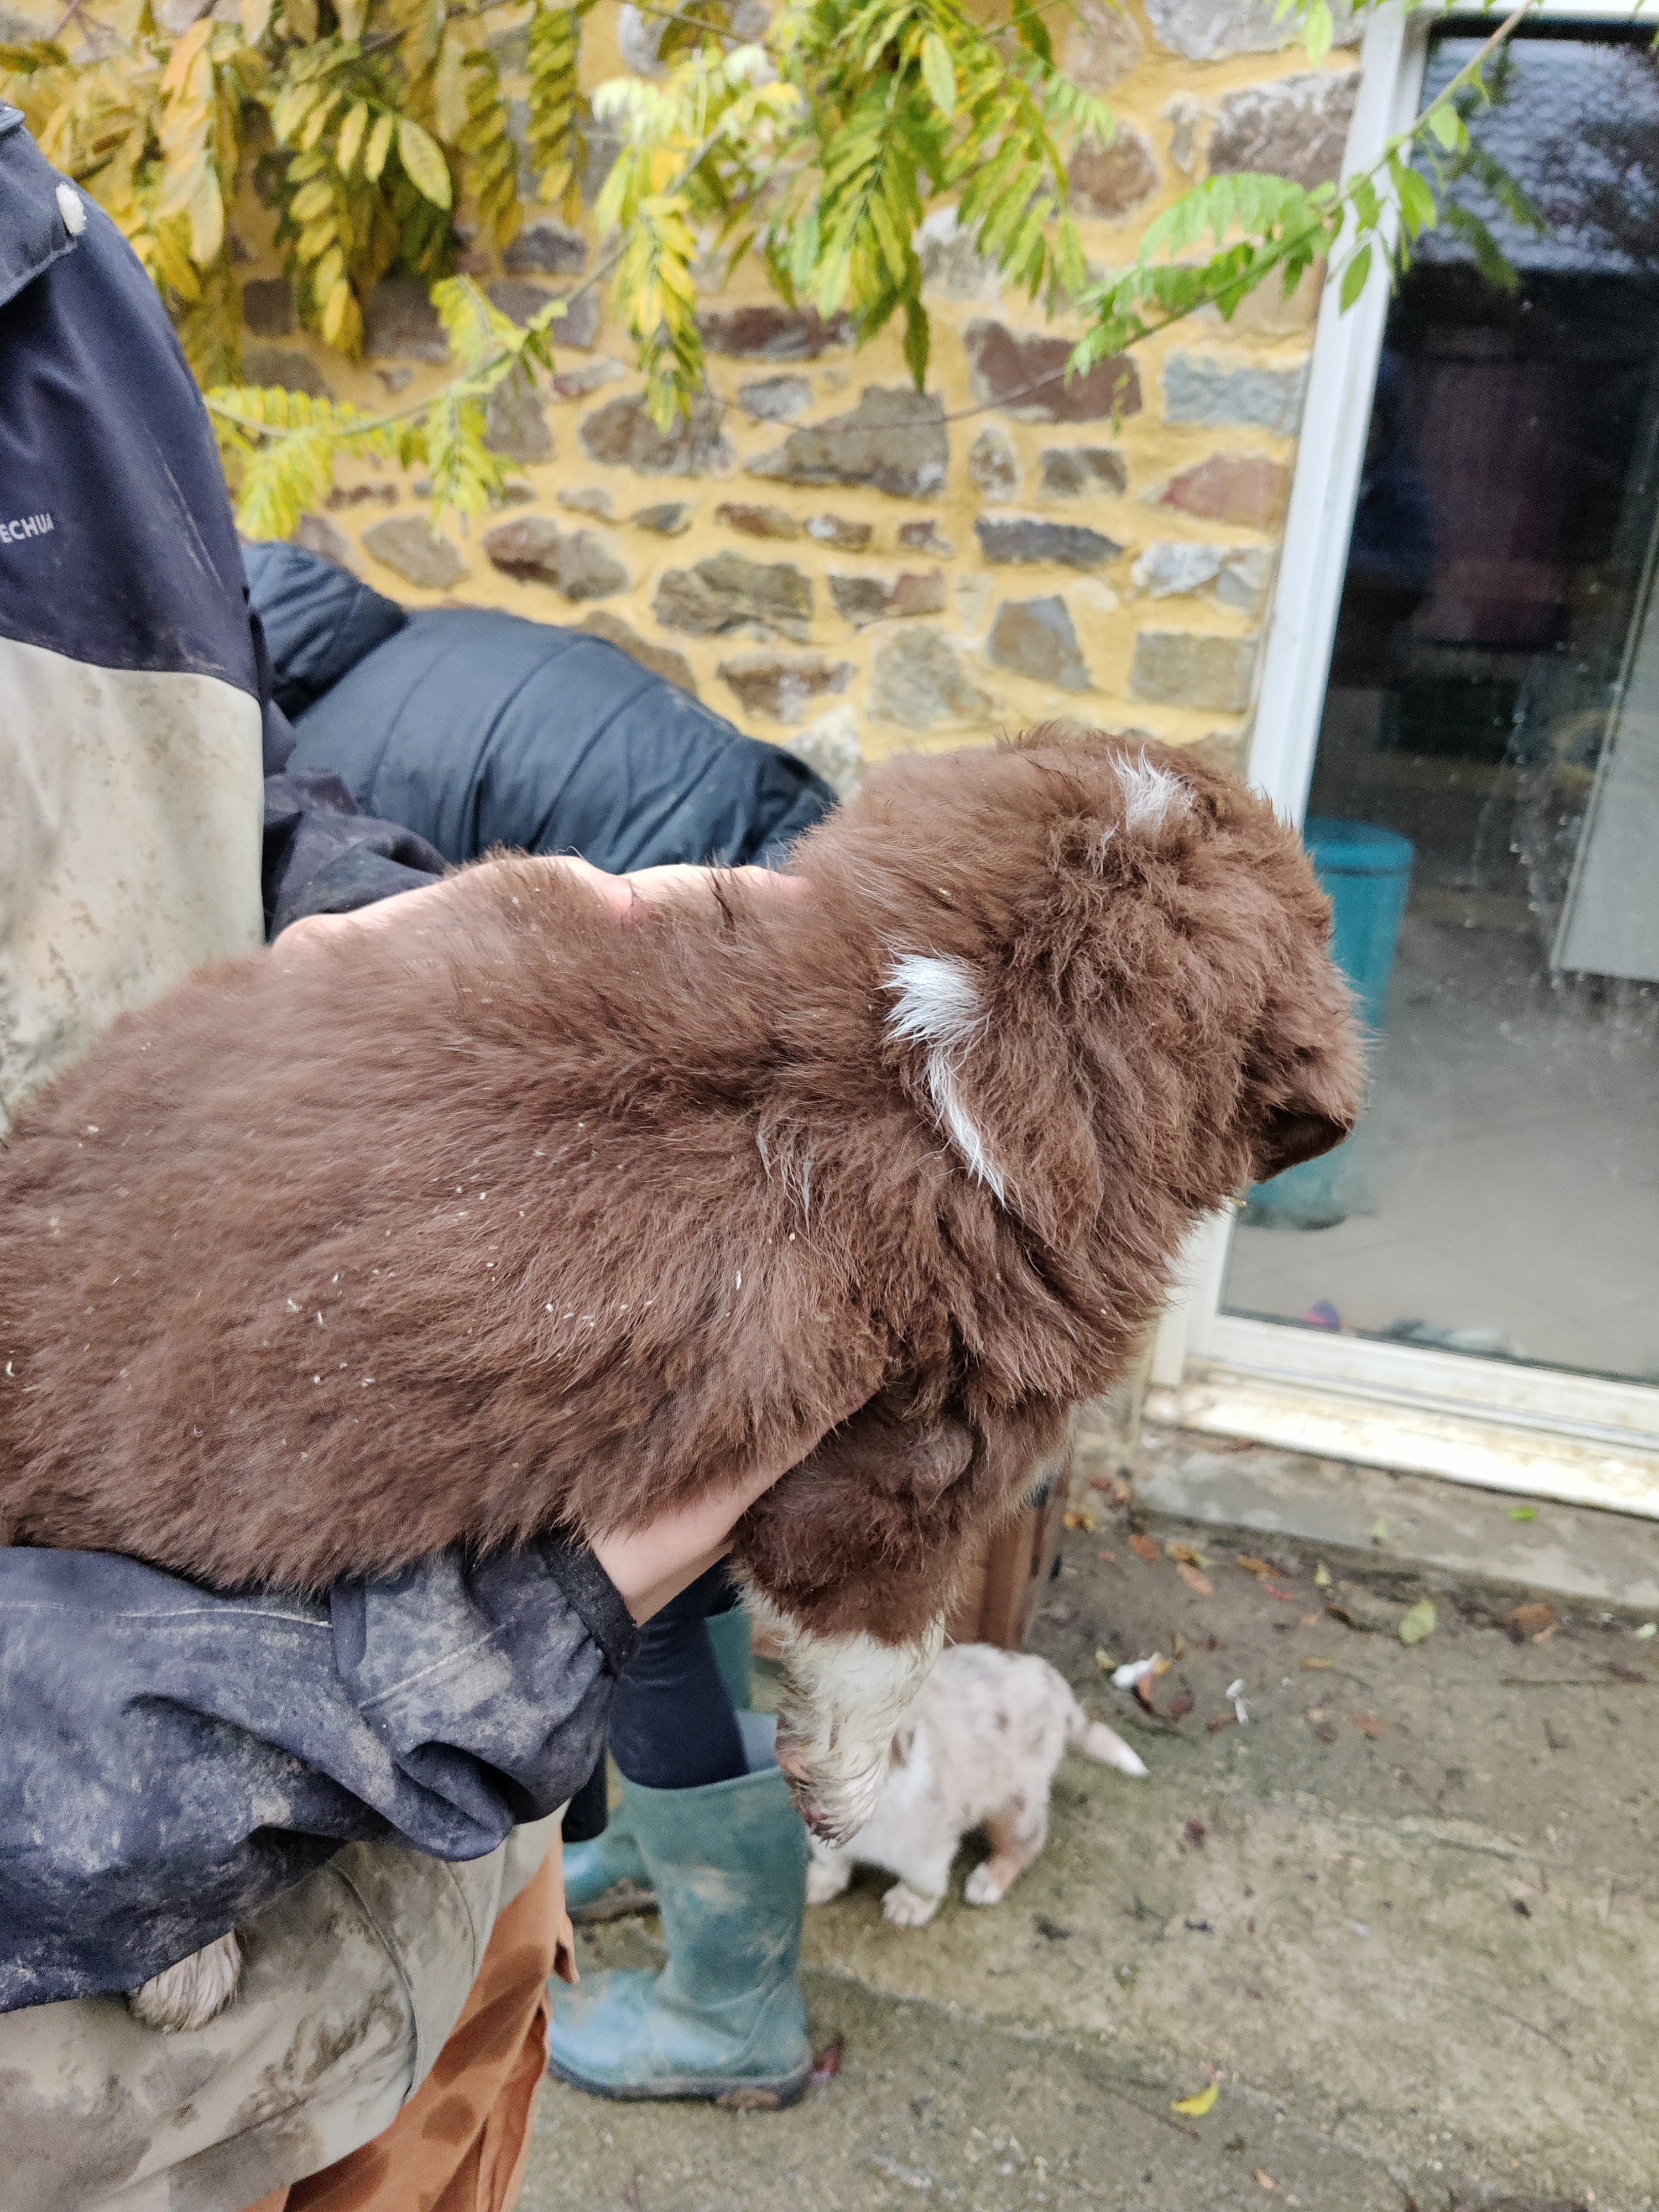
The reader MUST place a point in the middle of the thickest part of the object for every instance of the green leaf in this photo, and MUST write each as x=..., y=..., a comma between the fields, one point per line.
x=1354, y=275
x=1318, y=31
x=351, y=137
x=1417, y=206
x=423, y=163
x=380, y=144
x=917, y=341
x=1448, y=125
x=1420, y=1622
x=939, y=73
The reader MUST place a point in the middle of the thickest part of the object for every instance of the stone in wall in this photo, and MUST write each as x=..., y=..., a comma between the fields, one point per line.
x=407, y=545
x=660, y=660
x=578, y=326
x=587, y=376
x=775, y=398
x=1112, y=181
x=268, y=307
x=285, y=366
x=846, y=537
x=925, y=537
x=993, y=466
x=1232, y=395
x=1082, y=471
x=1102, y=44
x=729, y=591
x=578, y=565
x=514, y=422
x=759, y=521
x=399, y=322
x=588, y=499
x=894, y=439
x=865, y=599
x=1030, y=538
x=920, y=680
x=1185, y=668
x=1024, y=374
x=1297, y=128
x=622, y=434
x=768, y=331
x=546, y=249
x=672, y=518
x=771, y=683
x=1036, y=638
x=950, y=264
x=1244, y=489
x=829, y=745
x=1204, y=30
x=315, y=533
x=1174, y=566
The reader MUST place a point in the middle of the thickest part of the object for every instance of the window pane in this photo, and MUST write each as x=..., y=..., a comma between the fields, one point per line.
x=1486, y=799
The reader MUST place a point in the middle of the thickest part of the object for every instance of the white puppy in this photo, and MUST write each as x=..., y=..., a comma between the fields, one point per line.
x=977, y=1749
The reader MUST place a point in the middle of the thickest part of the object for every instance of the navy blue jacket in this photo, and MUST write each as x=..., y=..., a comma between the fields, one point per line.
x=475, y=729
x=170, y=1758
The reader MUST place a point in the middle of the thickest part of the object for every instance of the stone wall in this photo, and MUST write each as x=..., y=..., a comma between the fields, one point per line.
x=838, y=562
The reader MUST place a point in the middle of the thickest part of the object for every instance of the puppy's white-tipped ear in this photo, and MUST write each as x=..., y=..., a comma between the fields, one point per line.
x=938, y=1004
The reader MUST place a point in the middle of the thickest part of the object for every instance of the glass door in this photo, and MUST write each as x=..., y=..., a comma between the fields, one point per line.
x=1484, y=804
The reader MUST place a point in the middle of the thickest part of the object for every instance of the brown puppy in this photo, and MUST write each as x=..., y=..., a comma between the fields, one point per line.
x=329, y=1260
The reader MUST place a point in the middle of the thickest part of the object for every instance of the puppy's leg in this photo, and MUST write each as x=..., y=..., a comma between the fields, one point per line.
x=913, y=1902
x=1017, y=1834
x=192, y=1991
x=828, y=1872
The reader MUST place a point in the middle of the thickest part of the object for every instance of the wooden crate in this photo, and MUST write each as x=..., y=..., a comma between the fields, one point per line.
x=1007, y=1584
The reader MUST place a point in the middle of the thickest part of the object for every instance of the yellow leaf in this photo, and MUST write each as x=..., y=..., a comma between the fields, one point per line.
x=449, y=90
x=1195, y=2107
x=423, y=164
x=351, y=13
x=1418, y=1622
x=380, y=143
x=1193, y=1580
x=1321, y=1577
x=351, y=137
x=300, y=17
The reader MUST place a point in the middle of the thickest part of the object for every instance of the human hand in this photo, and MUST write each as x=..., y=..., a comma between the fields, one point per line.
x=624, y=895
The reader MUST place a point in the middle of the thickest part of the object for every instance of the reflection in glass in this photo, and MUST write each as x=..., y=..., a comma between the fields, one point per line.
x=1493, y=705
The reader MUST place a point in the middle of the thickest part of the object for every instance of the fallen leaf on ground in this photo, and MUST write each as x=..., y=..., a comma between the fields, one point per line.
x=1622, y=1674
x=1180, y=1706
x=1264, y=2178
x=1254, y=1566
x=1523, y=1512
x=1316, y=1666
x=1648, y=1630
x=1193, y=1580
x=1187, y=1554
x=1321, y=1577
x=826, y=2064
x=1310, y=1620
x=1531, y=1616
x=1196, y=1832
x=1222, y=1721
x=1418, y=1622
x=1083, y=1519
x=1144, y=1548
x=1380, y=1532
x=1104, y=1660
x=1110, y=1557
x=1544, y=1634
x=1283, y=1595
x=1104, y=1483
x=1195, y=2107
x=1368, y=1724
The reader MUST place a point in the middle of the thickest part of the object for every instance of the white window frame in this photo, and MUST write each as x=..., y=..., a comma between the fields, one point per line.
x=1539, y=1431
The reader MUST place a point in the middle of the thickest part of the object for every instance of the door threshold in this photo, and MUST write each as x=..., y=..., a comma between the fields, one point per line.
x=1527, y=1460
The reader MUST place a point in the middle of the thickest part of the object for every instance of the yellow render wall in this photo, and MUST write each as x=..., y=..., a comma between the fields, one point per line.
x=1164, y=616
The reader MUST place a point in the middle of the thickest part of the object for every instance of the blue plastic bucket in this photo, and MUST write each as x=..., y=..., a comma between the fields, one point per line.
x=1366, y=871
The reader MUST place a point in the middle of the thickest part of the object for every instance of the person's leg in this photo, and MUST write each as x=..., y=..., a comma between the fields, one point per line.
x=723, y=1849
x=672, y=1726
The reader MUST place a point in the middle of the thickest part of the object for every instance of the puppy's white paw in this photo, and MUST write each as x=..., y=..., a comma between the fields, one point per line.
x=844, y=1696
x=907, y=1908
x=826, y=1878
x=192, y=1992
x=984, y=1887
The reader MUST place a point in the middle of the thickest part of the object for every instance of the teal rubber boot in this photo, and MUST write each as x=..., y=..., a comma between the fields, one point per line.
x=611, y=1861
x=729, y=1634
x=726, y=2017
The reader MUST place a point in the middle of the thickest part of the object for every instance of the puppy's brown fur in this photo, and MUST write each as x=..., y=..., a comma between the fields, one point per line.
x=331, y=1259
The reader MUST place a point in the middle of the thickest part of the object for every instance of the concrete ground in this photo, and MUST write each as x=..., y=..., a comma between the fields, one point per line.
x=1406, y=1916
